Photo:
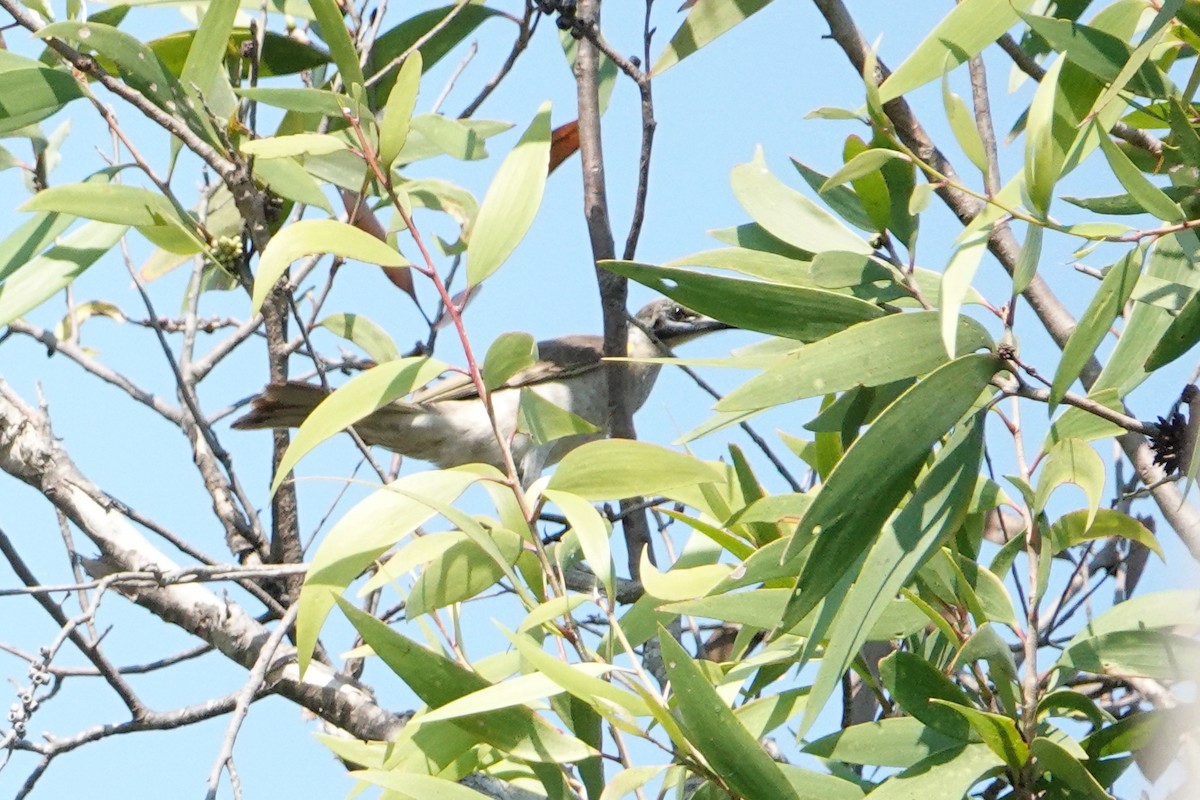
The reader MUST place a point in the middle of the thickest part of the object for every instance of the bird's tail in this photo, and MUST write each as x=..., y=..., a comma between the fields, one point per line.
x=287, y=405
x=282, y=405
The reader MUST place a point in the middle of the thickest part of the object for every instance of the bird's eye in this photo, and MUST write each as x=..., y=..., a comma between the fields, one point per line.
x=679, y=313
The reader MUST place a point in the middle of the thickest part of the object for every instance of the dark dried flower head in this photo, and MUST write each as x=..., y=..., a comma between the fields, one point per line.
x=1169, y=441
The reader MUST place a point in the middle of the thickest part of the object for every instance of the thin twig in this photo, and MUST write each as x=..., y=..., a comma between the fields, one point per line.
x=252, y=687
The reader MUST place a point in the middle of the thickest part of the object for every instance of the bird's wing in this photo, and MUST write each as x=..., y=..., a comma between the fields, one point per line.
x=559, y=358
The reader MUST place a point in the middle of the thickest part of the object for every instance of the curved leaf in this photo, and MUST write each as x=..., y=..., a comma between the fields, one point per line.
x=1071, y=461
x=948, y=773
x=30, y=95
x=1076, y=528
x=511, y=201
x=438, y=680
x=1106, y=305
x=612, y=469
x=373, y=339
x=462, y=571
x=871, y=353
x=968, y=28
x=309, y=237
x=789, y=311
x=393, y=130
x=363, y=534
x=337, y=35
x=48, y=273
x=789, y=215
x=358, y=398
x=715, y=731
x=876, y=473
x=936, y=509
x=705, y=21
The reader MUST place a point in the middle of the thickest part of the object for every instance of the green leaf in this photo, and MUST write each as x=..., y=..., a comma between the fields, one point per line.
x=914, y=684
x=789, y=311
x=627, y=781
x=1075, y=528
x=281, y=54
x=546, y=422
x=362, y=395
x=715, y=731
x=309, y=237
x=337, y=35
x=110, y=202
x=30, y=238
x=436, y=32
x=452, y=137
x=681, y=584
x=1163, y=609
x=519, y=690
x=30, y=95
x=592, y=531
x=870, y=183
x=461, y=572
x=393, y=131
x=1071, y=461
x=438, y=680
x=1079, y=424
x=956, y=283
x=1052, y=758
x=761, y=608
x=286, y=178
x=968, y=28
x=962, y=124
x=1135, y=653
x=1027, y=262
x=946, y=774
x=1125, y=204
x=1152, y=335
x=1043, y=162
x=306, y=101
x=865, y=163
x=138, y=66
x=959, y=580
x=1097, y=51
x=356, y=328
x=368, y=529
x=988, y=644
x=44, y=275
x=296, y=144
x=789, y=215
x=202, y=71
x=508, y=355
x=840, y=198
x=871, y=353
x=410, y=784
x=1106, y=305
x=612, y=469
x=876, y=473
x=936, y=509
x=1151, y=198
x=511, y=201
x=705, y=21
x=997, y=732
x=1180, y=336
x=1151, y=38
x=587, y=687
x=890, y=742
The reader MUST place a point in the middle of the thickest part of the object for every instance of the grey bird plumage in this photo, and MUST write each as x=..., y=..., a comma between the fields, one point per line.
x=446, y=424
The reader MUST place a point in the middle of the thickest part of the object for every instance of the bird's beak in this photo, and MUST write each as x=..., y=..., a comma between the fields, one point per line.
x=691, y=328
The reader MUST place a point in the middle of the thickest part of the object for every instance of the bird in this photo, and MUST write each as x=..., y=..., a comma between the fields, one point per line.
x=447, y=425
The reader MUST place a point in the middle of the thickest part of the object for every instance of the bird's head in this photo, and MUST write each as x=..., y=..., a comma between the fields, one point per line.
x=673, y=324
